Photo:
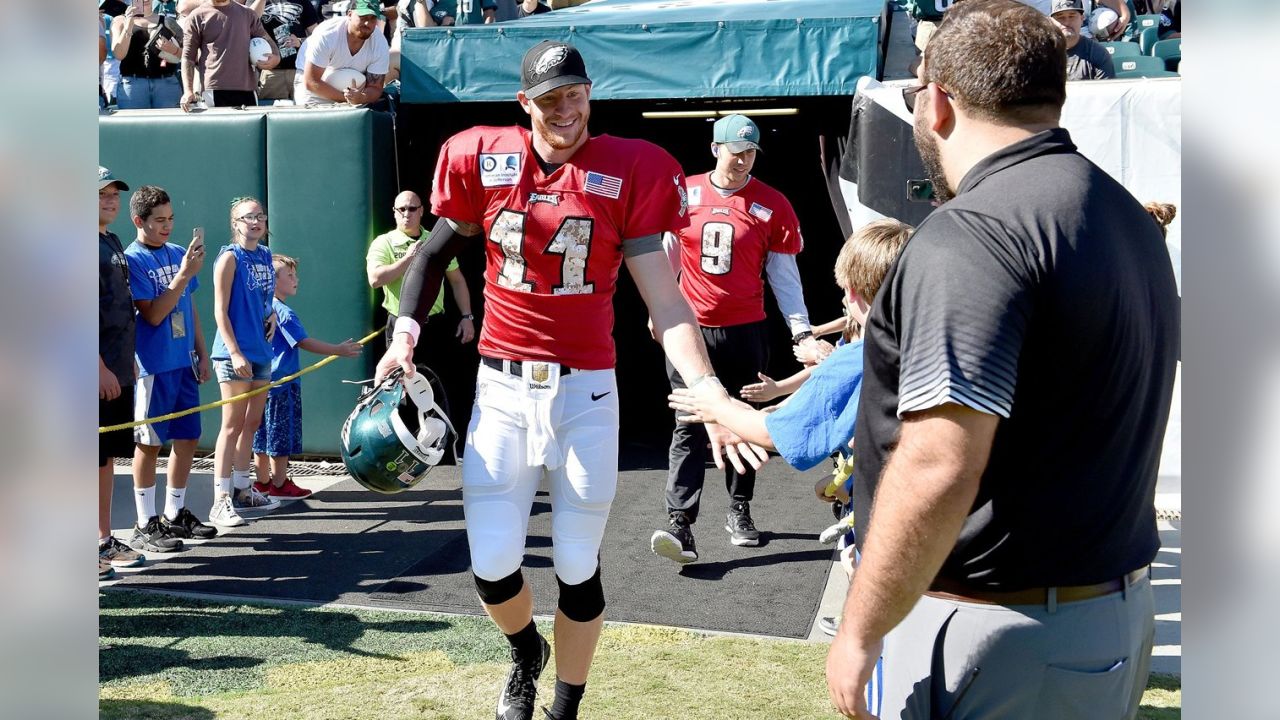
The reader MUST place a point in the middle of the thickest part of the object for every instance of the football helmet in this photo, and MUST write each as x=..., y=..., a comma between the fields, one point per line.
x=396, y=433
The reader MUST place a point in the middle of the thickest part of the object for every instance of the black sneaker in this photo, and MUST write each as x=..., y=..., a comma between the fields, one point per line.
x=676, y=542
x=742, y=530
x=154, y=538
x=187, y=525
x=521, y=689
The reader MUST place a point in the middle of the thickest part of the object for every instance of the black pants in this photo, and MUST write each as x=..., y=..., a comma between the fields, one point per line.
x=737, y=353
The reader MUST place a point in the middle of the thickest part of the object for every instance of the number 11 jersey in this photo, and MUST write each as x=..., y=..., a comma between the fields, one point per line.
x=554, y=243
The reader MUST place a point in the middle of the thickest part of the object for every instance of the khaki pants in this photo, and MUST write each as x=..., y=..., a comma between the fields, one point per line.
x=276, y=84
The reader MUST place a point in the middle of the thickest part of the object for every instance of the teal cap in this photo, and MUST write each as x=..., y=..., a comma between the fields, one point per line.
x=738, y=132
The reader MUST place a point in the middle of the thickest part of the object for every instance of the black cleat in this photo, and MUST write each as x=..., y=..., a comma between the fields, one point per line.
x=154, y=538
x=676, y=542
x=742, y=529
x=187, y=525
x=521, y=689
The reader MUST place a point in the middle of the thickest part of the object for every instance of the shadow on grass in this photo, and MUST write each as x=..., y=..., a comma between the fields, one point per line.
x=1166, y=683
x=150, y=710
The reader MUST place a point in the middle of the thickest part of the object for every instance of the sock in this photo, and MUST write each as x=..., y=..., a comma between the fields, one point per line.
x=240, y=478
x=568, y=696
x=525, y=642
x=144, y=499
x=175, y=499
x=223, y=485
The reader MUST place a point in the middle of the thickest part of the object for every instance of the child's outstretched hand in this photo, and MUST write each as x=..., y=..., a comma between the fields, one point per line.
x=350, y=348
x=763, y=391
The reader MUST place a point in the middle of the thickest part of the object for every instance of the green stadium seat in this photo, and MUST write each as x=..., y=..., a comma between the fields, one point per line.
x=1122, y=49
x=1140, y=64
x=1131, y=74
x=1147, y=39
x=1170, y=51
x=1142, y=22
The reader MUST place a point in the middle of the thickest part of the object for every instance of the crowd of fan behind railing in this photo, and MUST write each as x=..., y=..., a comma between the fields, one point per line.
x=197, y=54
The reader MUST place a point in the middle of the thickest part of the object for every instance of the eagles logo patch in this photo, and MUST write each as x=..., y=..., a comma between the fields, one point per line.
x=684, y=196
x=549, y=59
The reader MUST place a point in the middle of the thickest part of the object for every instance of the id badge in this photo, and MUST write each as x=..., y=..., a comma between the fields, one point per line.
x=541, y=379
x=177, y=324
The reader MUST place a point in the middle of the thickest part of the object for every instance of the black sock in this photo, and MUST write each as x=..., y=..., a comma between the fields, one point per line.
x=568, y=696
x=525, y=642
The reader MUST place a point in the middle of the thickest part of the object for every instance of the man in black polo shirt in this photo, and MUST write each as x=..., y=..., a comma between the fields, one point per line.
x=1019, y=370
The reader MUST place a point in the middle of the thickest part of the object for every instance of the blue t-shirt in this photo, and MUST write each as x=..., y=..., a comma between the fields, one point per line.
x=289, y=332
x=818, y=420
x=167, y=346
x=249, y=307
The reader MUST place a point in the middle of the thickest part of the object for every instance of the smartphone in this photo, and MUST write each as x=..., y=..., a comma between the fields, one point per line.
x=920, y=191
x=197, y=238
x=142, y=7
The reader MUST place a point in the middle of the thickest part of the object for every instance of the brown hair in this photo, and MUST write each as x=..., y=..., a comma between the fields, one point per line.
x=146, y=199
x=866, y=256
x=1163, y=214
x=283, y=261
x=1000, y=60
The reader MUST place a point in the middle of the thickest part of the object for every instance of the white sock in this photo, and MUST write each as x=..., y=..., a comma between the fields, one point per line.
x=144, y=499
x=223, y=485
x=175, y=499
x=240, y=478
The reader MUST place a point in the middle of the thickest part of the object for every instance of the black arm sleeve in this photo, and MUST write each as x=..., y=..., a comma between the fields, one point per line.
x=426, y=272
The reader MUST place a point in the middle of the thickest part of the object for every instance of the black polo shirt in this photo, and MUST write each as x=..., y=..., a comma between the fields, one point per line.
x=1042, y=293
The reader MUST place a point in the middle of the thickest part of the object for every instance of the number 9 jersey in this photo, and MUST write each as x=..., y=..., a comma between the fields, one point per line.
x=554, y=243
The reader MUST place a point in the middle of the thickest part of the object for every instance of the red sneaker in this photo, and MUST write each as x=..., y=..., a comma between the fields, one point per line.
x=289, y=490
x=261, y=487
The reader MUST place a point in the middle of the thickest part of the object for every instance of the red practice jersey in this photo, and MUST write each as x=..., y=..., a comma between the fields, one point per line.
x=554, y=242
x=724, y=248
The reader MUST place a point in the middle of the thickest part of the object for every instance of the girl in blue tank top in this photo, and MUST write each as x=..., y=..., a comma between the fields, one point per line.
x=243, y=285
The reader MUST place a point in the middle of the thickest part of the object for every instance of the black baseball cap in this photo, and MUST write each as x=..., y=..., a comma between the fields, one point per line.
x=549, y=65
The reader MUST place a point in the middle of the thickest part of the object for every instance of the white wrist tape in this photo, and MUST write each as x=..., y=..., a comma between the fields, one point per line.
x=406, y=324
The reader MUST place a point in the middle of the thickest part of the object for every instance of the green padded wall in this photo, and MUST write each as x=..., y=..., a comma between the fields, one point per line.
x=327, y=178
x=203, y=161
x=331, y=178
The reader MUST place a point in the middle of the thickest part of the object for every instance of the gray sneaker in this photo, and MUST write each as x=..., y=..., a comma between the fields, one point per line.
x=154, y=537
x=250, y=500
x=120, y=555
x=224, y=514
x=105, y=571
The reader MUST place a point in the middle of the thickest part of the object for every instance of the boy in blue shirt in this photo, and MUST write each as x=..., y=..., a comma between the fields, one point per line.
x=818, y=420
x=280, y=434
x=172, y=361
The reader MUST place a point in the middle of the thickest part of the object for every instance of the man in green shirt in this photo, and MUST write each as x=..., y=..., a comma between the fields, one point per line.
x=390, y=255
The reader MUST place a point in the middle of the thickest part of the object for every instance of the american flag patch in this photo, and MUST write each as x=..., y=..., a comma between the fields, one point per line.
x=761, y=211
x=606, y=185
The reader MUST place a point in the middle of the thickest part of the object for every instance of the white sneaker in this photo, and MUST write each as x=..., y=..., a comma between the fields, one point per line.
x=223, y=514
x=253, y=501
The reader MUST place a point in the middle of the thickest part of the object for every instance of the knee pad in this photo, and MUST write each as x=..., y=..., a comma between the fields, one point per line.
x=496, y=592
x=583, y=602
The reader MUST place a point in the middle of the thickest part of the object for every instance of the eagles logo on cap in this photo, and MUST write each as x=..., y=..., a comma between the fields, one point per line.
x=549, y=65
x=737, y=132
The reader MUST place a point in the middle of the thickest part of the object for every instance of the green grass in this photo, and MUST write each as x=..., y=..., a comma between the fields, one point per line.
x=163, y=658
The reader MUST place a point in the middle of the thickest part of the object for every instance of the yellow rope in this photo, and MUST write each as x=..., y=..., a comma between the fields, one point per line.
x=237, y=398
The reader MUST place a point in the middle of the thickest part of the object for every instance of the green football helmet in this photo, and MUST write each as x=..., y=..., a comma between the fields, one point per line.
x=396, y=434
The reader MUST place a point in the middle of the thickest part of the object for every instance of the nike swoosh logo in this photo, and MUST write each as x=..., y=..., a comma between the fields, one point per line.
x=503, y=707
x=597, y=397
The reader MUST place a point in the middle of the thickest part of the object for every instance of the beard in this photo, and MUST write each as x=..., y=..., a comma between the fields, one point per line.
x=557, y=138
x=927, y=145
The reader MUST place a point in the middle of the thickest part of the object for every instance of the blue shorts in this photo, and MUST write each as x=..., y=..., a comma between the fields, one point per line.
x=161, y=394
x=224, y=372
x=280, y=434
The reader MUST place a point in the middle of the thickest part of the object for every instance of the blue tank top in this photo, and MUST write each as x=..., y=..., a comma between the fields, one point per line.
x=249, y=307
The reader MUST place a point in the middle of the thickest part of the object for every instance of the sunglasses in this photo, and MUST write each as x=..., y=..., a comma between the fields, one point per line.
x=909, y=95
x=408, y=209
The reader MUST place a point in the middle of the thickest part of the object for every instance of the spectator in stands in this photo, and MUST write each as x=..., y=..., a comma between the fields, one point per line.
x=172, y=362
x=148, y=45
x=1086, y=59
x=390, y=255
x=531, y=7
x=1163, y=214
x=288, y=22
x=350, y=41
x=115, y=370
x=475, y=12
x=280, y=434
x=109, y=67
x=217, y=46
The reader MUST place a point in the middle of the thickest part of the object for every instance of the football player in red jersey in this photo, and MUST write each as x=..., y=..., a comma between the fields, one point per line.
x=559, y=212
x=739, y=231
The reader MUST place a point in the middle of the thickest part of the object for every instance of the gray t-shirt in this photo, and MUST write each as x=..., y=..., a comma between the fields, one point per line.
x=1088, y=60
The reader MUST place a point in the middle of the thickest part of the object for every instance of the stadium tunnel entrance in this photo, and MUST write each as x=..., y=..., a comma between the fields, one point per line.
x=799, y=148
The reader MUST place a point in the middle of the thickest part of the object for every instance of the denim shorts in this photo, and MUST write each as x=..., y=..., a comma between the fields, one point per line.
x=223, y=371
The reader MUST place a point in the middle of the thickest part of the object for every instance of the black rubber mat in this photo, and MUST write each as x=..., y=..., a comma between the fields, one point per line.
x=348, y=545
